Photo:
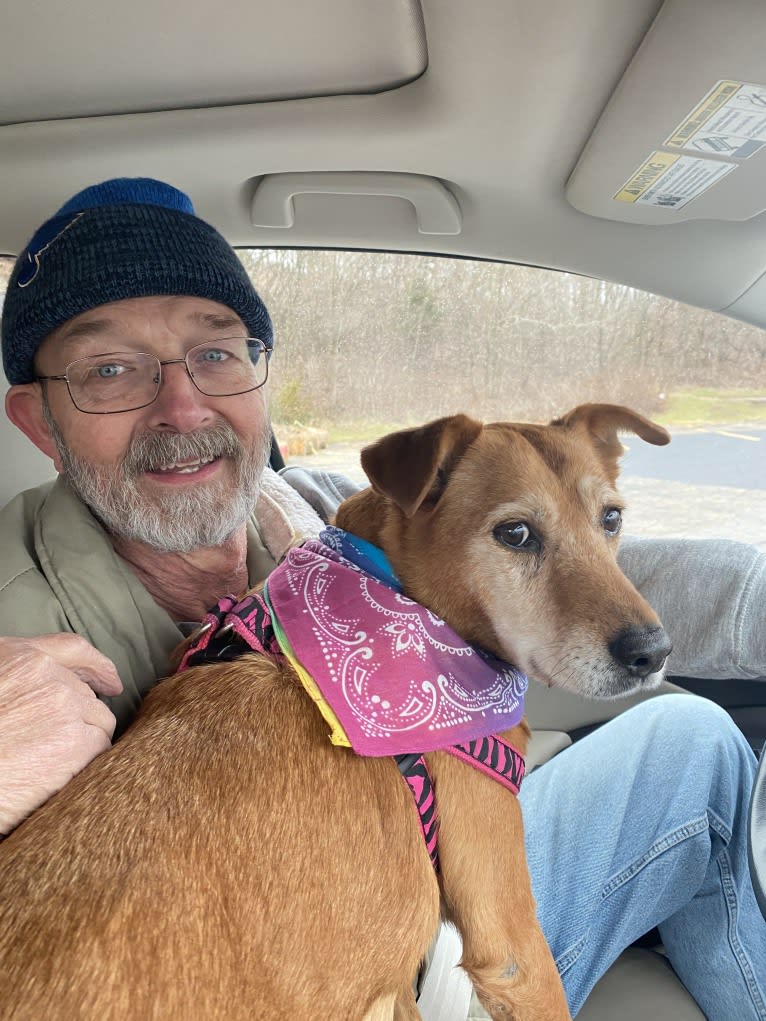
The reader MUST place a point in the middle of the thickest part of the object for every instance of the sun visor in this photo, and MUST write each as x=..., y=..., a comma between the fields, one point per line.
x=101, y=59
x=684, y=135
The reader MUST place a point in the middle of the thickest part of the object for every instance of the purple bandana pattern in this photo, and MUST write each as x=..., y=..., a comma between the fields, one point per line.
x=396, y=677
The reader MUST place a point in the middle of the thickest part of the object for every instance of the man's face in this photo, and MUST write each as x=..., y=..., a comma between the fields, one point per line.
x=183, y=472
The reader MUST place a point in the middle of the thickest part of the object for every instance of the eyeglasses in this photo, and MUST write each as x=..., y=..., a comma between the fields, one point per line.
x=107, y=384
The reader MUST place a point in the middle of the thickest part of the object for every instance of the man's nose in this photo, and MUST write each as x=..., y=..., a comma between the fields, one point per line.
x=179, y=405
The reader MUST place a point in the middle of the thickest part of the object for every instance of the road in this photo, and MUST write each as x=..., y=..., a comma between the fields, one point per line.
x=725, y=456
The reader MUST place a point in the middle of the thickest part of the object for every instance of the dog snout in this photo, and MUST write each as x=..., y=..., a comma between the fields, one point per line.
x=641, y=651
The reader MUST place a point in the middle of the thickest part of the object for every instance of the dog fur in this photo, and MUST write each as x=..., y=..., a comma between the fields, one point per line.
x=224, y=861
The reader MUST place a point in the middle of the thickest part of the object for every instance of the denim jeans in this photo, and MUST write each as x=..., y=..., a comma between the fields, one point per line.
x=643, y=824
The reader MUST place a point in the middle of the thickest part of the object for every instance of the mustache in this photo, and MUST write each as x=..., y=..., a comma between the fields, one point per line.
x=150, y=451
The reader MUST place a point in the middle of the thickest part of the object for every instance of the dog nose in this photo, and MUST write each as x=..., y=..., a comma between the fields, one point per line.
x=642, y=651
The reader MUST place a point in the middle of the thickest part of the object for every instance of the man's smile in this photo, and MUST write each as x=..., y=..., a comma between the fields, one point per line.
x=199, y=467
x=192, y=464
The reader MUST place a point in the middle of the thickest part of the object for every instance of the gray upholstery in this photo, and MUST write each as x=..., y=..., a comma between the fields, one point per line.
x=640, y=986
x=543, y=745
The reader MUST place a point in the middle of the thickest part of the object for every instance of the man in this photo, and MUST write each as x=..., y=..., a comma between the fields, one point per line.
x=176, y=509
x=138, y=352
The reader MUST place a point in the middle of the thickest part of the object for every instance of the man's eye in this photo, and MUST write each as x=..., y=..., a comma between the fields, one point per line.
x=517, y=535
x=214, y=354
x=612, y=520
x=108, y=371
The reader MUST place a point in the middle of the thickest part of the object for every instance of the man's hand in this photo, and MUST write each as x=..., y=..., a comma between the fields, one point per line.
x=51, y=722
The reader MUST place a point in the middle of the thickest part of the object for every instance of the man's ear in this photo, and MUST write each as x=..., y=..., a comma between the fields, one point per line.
x=24, y=407
x=411, y=467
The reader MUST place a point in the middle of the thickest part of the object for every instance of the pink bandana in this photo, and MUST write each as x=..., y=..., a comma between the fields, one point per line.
x=388, y=676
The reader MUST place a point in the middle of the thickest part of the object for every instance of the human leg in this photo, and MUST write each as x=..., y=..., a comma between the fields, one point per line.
x=643, y=824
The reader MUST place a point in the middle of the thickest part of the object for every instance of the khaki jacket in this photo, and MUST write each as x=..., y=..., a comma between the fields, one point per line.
x=59, y=572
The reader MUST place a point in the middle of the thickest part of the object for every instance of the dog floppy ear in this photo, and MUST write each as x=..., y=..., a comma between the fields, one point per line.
x=411, y=467
x=604, y=421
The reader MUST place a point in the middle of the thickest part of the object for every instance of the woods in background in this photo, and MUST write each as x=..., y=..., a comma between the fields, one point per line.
x=397, y=338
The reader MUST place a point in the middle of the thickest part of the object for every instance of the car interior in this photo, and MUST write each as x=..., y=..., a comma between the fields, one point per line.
x=623, y=143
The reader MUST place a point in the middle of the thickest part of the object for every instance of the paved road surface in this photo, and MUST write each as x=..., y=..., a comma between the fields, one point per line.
x=727, y=456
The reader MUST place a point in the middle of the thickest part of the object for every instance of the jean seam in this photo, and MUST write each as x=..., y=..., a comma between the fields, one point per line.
x=719, y=827
x=672, y=839
x=569, y=956
x=732, y=908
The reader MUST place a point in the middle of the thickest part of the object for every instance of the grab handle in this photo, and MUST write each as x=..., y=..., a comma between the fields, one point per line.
x=435, y=206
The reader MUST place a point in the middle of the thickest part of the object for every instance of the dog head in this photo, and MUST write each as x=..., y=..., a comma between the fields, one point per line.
x=509, y=532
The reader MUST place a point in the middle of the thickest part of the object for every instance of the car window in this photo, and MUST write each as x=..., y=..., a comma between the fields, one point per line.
x=6, y=265
x=367, y=342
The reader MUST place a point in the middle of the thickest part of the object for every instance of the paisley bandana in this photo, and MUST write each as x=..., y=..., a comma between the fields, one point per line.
x=392, y=677
x=389, y=676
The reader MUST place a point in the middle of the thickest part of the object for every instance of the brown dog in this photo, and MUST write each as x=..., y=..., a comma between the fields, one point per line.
x=224, y=861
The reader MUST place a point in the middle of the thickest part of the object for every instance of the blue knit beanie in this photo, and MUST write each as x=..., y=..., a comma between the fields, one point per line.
x=124, y=238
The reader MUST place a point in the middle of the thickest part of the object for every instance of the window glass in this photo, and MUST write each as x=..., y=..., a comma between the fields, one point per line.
x=6, y=265
x=368, y=341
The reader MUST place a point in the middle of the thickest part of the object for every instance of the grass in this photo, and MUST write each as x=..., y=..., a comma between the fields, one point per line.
x=360, y=432
x=682, y=408
x=713, y=407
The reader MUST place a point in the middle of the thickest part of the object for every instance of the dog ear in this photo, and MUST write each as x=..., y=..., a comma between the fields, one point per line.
x=411, y=467
x=604, y=421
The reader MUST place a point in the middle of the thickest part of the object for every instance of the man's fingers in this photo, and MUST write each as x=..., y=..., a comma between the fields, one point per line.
x=95, y=742
x=109, y=684
x=89, y=708
x=78, y=655
x=51, y=723
x=96, y=715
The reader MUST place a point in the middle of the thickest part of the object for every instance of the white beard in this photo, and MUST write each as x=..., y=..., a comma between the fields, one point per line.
x=193, y=517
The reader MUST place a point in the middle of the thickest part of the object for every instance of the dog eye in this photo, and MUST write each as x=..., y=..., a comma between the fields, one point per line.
x=612, y=520
x=517, y=535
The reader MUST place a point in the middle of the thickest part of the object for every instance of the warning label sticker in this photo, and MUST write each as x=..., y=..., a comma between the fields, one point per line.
x=730, y=121
x=670, y=181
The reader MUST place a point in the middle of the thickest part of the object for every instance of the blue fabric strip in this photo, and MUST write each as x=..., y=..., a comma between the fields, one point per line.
x=365, y=555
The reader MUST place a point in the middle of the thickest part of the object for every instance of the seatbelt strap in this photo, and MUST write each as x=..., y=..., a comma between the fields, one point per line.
x=445, y=993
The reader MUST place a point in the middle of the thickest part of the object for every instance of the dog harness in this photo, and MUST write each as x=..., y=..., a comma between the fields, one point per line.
x=388, y=676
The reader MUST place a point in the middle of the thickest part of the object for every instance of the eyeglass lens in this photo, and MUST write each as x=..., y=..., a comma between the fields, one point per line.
x=125, y=380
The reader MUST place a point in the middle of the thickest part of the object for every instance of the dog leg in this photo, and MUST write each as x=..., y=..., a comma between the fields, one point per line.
x=526, y=988
x=405, y=1008
x=384, y=1009
x=487, y=894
